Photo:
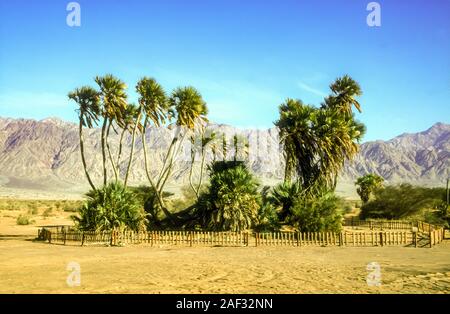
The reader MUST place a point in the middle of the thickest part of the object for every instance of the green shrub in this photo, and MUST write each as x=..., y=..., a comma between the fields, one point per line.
x=112, y=206
x=283, y=196
x=268, y=220
x=69, y=207
x=24, y=220
x=33, y=211
x=232, y=200
x=47, y=212
x=317, y=214
x=402, y=201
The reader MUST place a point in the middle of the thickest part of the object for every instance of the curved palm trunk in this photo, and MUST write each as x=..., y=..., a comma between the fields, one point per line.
x=152, y=183
x=103, y=141
x=116, y=176
x=162, y=180
x=120, y=148
x=132, y=149
x=83, y=160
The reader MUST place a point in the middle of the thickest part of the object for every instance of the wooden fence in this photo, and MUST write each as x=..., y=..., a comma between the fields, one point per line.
x=424, y=235
x=379, y=224
x=382, y=238
x=150, y=237
x=435, y=234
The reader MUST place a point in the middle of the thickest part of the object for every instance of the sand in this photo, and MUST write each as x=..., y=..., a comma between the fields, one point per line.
x=32, y=267
x=36, y=267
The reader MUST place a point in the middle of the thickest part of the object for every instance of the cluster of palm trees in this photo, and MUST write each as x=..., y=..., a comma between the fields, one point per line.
x=108, y=106
x=317, y=141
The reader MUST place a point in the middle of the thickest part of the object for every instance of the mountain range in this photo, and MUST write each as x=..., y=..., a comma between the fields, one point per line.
x=45, y=155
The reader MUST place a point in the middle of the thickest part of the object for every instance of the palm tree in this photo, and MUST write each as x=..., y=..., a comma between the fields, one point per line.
x=88, y=113
x=367, y=185
x=191, y=110
x=232, y=201
x=114, y=104
x=299, y=142
x=156, y=109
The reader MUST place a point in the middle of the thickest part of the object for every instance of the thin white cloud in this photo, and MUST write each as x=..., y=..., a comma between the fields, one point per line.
x=311, y=90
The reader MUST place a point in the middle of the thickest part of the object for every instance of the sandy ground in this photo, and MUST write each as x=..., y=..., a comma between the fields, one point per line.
x=27, y=267
x=35, y=267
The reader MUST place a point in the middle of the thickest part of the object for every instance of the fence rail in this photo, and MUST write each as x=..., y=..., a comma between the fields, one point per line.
x=419, y=235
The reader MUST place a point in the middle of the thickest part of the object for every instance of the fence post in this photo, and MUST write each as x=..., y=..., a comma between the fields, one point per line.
x=190, y=237
x=430, y=235
x=64, y=235
x=381, y=238
x=256, y=238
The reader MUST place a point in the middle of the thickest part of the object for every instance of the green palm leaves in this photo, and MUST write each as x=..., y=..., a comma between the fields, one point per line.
x=344, y=89
x=153, y=101
x=232, y=200
x=113, y=96
x=367, y=185
x=318, y=141
x=88, y=100
x=189, y=106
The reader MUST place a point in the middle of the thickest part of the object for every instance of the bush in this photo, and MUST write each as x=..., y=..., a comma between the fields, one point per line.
x=24, y=220
x=232, y=200
x=402, y=201
x=283, y=196
x=47, y=212
x=69, y=208
x=33, y=211
x=111, y=207
x=317, y=214
x=267, y=218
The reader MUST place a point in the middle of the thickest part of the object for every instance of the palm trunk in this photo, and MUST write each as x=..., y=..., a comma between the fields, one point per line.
x=202, y=165
x=158, y=195
x=192, y=169
x=120, y=148
x=83, y=160
x=110, y=154
x=104, y=150
x=162, y=180
x=132, y=149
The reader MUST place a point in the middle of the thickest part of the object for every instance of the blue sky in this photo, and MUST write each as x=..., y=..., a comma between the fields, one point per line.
x=245, y=57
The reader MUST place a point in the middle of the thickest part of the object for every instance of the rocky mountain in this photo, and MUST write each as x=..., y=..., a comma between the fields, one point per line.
x=45, y=154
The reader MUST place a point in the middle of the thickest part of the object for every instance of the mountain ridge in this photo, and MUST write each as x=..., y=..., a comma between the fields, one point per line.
x=47, y=152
